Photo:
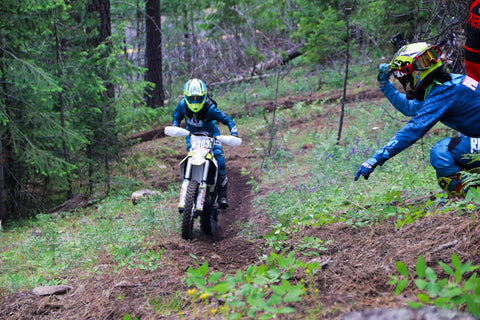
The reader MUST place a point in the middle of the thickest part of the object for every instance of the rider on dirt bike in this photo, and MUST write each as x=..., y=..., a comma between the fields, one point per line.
x=432, y=95
x=200, y=113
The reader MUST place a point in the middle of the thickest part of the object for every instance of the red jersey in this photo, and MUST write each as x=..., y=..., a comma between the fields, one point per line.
x=472, y=43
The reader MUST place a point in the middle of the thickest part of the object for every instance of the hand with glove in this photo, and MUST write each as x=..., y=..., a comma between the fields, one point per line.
x=384, y=73
x=366, y=169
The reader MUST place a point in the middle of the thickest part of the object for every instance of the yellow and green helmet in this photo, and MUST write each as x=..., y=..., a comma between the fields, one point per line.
x=414, y=65
x=195, y=92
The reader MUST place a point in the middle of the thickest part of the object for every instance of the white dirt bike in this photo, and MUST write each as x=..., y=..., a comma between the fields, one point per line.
x=199, y=171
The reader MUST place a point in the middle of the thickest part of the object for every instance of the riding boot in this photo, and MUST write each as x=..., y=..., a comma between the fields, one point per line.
x=453, y=185
x=222, y=183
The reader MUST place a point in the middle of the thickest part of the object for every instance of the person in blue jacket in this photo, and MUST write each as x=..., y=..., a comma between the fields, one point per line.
x=200, y=114
x=431, y=95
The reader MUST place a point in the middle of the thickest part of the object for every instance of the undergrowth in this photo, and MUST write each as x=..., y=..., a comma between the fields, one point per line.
x=260, y=292
x=460, y=288
x=322, y=189
x=122, y=232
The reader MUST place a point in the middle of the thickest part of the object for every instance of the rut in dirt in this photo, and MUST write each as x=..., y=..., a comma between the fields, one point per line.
x=228, y=250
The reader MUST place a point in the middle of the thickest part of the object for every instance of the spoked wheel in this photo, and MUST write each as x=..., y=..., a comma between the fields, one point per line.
x=188, y=212
x=208, y=218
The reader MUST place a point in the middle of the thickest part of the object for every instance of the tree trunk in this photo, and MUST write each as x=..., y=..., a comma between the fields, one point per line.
x=66, y=153
x=106, y=130
x=8, y=183
x=3, y=205
x=153, y=53
x=186, y=39
x=291, y=54
x=345, y=79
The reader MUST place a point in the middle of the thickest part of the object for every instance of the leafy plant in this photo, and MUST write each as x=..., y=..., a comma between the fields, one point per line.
x=260, y=292
x=473, y=194
x=454, y=291
x=149, y=260
x=311, y=245
x=408, y=215
x=127, y=317
x=277, y=238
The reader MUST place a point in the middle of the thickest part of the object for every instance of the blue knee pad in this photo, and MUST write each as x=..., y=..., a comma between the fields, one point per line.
x=442, y=160
x=218, y=153
x=447, y=155
x=187, y=143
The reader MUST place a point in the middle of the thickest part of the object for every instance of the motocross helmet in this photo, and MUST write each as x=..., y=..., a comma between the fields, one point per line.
x=195, y=92
x=415, y=65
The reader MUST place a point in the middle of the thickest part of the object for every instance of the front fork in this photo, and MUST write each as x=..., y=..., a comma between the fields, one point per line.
x=202, y=189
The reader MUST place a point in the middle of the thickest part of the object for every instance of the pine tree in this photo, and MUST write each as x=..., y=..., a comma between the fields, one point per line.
x=153, y=53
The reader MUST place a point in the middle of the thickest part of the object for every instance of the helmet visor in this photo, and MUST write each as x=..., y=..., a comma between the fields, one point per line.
x=421, y=62
x=195, y=99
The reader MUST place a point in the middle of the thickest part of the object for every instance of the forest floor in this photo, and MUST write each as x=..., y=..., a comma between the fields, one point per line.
x=356, y=265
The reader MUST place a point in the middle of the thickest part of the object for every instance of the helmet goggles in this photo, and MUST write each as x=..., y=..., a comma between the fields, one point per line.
x=421, y=62
x=195, y=99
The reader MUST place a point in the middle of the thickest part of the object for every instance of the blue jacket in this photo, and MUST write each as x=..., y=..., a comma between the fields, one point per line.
x=455, y=103
x=203, y=121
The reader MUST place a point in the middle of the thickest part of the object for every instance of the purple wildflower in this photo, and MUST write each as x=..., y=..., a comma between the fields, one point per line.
x=367, y=152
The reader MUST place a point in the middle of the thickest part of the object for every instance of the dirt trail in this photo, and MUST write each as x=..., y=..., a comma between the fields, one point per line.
x=227, y=251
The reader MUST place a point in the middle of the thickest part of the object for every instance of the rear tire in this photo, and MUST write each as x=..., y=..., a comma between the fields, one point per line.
x=189, y=210
x=208, y=219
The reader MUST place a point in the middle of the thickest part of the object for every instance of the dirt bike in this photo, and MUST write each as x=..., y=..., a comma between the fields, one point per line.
x=199, y=171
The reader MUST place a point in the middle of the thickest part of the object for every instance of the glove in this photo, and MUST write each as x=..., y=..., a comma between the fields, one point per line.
x=383, y=73
x=235, y=134
x=366, y=169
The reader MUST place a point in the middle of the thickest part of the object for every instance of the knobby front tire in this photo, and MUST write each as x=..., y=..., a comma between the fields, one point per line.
x=188, y=211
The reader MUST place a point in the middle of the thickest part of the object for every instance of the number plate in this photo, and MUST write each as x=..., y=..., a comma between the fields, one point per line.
x=201, y=142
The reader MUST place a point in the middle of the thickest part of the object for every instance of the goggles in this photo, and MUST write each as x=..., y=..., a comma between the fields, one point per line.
x=420, y=63
x=195, y=99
